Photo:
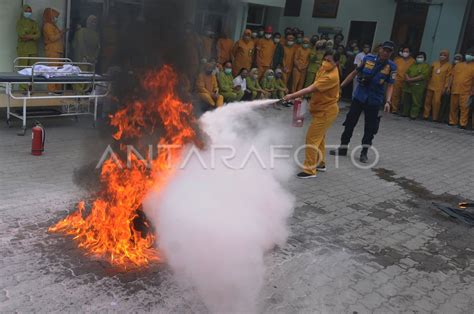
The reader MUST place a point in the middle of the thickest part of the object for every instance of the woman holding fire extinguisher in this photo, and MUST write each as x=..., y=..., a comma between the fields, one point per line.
x=324, y=109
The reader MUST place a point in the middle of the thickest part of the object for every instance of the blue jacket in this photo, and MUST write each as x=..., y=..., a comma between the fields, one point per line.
x=373, y=93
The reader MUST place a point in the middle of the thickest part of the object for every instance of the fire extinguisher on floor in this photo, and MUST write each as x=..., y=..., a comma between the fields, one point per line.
x=38, y=137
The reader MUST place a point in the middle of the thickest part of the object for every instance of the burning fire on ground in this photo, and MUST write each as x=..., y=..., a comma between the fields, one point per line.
x=108, y=227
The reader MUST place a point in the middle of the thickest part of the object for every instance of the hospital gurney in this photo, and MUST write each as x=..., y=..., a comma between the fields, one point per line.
x=87, y=85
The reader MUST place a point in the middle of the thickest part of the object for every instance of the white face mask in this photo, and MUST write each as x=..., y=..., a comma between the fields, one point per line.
x=268, y=36
x=276, y=40
x=420, y=60
x=442, y=58
x=27, y=15
x=405, y=54
x=290, y=43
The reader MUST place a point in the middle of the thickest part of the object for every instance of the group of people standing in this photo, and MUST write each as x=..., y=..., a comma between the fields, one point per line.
x=262, y=64
x=441, y=90
x=85, y=45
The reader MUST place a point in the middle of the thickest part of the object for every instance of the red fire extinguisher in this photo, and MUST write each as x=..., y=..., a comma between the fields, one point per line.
x=299, y=110
x=38, y=136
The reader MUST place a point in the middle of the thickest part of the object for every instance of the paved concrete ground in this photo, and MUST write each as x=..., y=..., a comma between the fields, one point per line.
x=362, y=240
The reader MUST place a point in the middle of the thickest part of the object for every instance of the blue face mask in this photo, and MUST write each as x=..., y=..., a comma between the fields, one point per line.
x=27, y=15
x=469, y=58
x=227, y=71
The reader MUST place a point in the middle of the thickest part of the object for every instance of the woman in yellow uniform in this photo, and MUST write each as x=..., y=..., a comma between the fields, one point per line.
x=300, y=67
x=437, y=85
x=288, y=58
x=403, y=62
x=207, y=88
x=53, y=39
x=324, y=110
x=243, y=52
x=462, y=88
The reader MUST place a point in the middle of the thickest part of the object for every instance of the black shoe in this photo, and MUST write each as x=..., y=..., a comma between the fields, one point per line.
x=338, y=152
x=304, y=175
x=321, y=168
x=363, y=158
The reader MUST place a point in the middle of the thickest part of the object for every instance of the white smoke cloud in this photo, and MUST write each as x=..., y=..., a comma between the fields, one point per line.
x=215, y=225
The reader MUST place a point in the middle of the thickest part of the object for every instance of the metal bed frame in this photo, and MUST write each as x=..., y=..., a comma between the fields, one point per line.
x=86, y=77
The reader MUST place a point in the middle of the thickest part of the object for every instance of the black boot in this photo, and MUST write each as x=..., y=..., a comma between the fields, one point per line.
x=363, y=156
x=340, y=151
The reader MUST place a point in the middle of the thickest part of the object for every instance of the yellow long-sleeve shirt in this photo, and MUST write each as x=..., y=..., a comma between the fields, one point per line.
x=463, y=78
x=327, y=90
x=439, y=76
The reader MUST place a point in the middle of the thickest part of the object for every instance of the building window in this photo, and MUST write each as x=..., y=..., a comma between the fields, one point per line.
x=293, y=7
x=325, y=8
x=256, y=15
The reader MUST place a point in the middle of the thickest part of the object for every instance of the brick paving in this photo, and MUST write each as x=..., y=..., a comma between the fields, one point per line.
x=361, y=240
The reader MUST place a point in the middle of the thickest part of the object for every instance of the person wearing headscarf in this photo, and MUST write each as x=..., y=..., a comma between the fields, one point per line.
x=300, y=67
x=53, y=39
x=288, y=58
x=462, y=88
x=28, y=32
x=254, y=86
x=227, y=89
x=207, y=88
x=243, y=52
x=86, y=43
x=280, y=85
x=437, y=85
x=268, y=84
x=403, y=62
x=414, y=87
x=315, y=60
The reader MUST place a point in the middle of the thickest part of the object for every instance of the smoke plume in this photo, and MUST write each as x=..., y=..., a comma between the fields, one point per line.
x=216, y=219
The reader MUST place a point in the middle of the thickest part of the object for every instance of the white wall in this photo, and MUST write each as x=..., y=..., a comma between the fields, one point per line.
x=447, y=35
x=10, y=11
x=380, y=11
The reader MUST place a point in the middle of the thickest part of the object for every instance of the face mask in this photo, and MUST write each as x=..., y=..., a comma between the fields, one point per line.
x=356, y=51
x=260, y=33
x=278, y=76
x=350, y=53
x=55, y=19
x=442, y=58
x=247, y=38
x=27, y=15
x=305, y=46
x=276, y=40
x=469, y=58
x=457, y=61
x=290, y=43
x=327, y=66
x=254, y=35
x=420, y=60
x=268, y=36
x=271, y=77
x=299, y=40
x=227, y=71
x=405, y=54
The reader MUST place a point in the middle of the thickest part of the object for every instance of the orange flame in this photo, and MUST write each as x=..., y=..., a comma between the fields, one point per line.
x=108, y=228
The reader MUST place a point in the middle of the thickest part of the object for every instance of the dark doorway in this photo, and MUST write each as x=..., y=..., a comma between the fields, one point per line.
x=468, y=36
x=362, y=32
x=409, y=24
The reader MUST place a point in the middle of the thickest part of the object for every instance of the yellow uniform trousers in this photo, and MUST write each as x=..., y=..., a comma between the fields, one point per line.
x=459, y=102
x=397, y=95
x=298, y=80
x=315, y=154
x=432, y=104
x=210, y=101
